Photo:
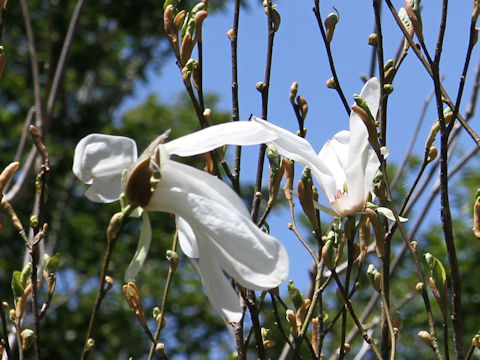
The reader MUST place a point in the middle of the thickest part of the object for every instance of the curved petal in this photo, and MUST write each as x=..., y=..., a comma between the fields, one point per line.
x=371, y=94
x=186, y=238
x=232, y=133
x=370, y=171
x=253, y=258
x=219, y=290
x=99, y=160
x=292, y=146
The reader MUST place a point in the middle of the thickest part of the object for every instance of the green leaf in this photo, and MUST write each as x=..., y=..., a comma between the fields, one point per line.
x=142, y=249
x=17, y=286
x=52, y=263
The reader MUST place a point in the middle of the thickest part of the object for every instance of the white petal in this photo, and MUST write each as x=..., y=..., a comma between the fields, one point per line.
x=232, y=133
x=389, y=214
x=219, y=290
x=253, y=258
x=99, y=160
x=371, y=94
x=186, y=238
x=292, y=146
x=142, y=250
x=370, y=172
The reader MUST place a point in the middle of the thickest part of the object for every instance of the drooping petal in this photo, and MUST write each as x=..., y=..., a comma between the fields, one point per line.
x=232, y=133
x=218, y=288
x=99, y=160
x=186, y=238
x=253, y=258
x=142, y=250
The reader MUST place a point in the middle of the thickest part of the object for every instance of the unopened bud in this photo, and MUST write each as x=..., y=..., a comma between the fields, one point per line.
x=425, y=337
x=373, y=40
x=302, y=313
x=108, y=283
x=302, y=106
x=414, y=245
x=290, y=316
x=268, y=344
x=476, y=341
x=172, y=258
x=293, y=92
x=27, y=336
x=160, y=349
x=261, y=86
x=8, y=173
x=114, y=226
x=476, y=219
x=419, y=288
x=330, y=23
x=432, y=154
x=346, y=348
x=388, y=88
x=328, y=254
x=331, y=83
x=375, y=277
x=231, y=34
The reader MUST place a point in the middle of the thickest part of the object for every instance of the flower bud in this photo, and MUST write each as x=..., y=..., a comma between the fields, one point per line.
x=276, y=171
x=289, y=176
x=388, y=88
x=328, y=254
x=305, y=195
x=330, y=23
x=378, y=231
x=302, y=313
x=7, y=174
x=179, y=18
x=114, y=226
x=413, y=10
x=290, y=316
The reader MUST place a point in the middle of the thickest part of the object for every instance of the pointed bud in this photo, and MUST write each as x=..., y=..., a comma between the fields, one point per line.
x=276, y=170
x=177, y=21
x=330, y=23
x=413, y=10
x=363, y=238
x=476, y=215
x=293, y=92
x=302, y=313
x=290, y=316
x=170, y=29
x=114, y=225
x=7, y=174
x=378, y=231
x=328, y=254
x=305, y=195
x=289, y=176
x=199, y=17
x=375, y=277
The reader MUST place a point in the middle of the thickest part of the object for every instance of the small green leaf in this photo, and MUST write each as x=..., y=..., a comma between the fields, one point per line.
x=17, y=286
x=295, y=295
x=52, y=263
x=142, y=250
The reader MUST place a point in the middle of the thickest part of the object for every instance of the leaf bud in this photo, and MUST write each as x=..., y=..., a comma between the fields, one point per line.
x=114, y=226
x=330, y=83
x=432, y=154
x=388, y=88
x=328, y=254
x=476, y=218
x=330, y=22
x=27, y=336
x=302, y=313
x=293, y=92
x=373, y=40
x=160, y=349
x=419, y=288
x=231, y=34
x=346, y=348
x=172, y=258
x=7, y=173
x=476, y=341
x=375, y=277
x=302, y=106
x=305, y=195
x=425, y=337
x=261, y=86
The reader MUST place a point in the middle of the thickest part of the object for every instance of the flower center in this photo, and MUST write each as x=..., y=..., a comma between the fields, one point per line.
x=341, y=192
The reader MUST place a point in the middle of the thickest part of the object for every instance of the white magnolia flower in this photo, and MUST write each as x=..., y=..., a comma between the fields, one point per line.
x=345, y=166
x=213, y=223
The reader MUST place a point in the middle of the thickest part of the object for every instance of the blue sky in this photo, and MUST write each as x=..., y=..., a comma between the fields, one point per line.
x=299, y=55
